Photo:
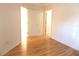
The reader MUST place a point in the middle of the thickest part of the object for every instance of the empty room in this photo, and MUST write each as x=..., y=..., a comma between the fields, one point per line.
x=39, y=29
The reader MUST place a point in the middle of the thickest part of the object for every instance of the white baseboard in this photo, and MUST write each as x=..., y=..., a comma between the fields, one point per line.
x=8, y=49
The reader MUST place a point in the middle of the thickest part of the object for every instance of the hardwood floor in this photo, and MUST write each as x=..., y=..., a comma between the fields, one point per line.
x=42, y=46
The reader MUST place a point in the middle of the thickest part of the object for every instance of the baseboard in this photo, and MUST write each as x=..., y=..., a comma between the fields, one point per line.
x=10, y=49
x=34, y=35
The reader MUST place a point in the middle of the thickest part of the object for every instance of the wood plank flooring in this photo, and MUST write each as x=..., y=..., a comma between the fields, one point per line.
x=42, y=46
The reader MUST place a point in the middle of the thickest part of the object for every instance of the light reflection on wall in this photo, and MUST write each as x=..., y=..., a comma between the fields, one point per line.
x=75, y=29
x=68, y=32
x=24, y=27
x=48, y=22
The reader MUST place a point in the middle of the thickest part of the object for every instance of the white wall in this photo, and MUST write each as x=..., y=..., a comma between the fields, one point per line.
x=35, y=22
x=65, y=24
x=9, y=27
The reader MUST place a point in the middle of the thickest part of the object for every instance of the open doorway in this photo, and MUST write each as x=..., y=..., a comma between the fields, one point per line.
x=32, y=24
